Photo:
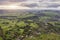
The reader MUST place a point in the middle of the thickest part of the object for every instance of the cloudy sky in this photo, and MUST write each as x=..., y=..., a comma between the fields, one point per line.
x=29, y=4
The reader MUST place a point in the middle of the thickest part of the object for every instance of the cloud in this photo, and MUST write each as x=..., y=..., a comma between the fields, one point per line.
x=12, y=0
x=31, y=4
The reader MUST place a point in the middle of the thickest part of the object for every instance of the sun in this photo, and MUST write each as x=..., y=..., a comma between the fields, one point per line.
x=9, y=7
x=12, y=6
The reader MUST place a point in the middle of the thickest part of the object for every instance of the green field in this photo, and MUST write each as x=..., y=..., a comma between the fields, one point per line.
x=30, y=26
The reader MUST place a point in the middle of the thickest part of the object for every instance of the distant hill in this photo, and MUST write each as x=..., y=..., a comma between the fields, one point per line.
x=17, y=12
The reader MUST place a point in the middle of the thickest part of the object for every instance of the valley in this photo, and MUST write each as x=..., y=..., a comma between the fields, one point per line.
x=29, y=24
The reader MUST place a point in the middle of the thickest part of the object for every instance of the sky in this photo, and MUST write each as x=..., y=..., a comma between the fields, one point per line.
x=29, y=4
